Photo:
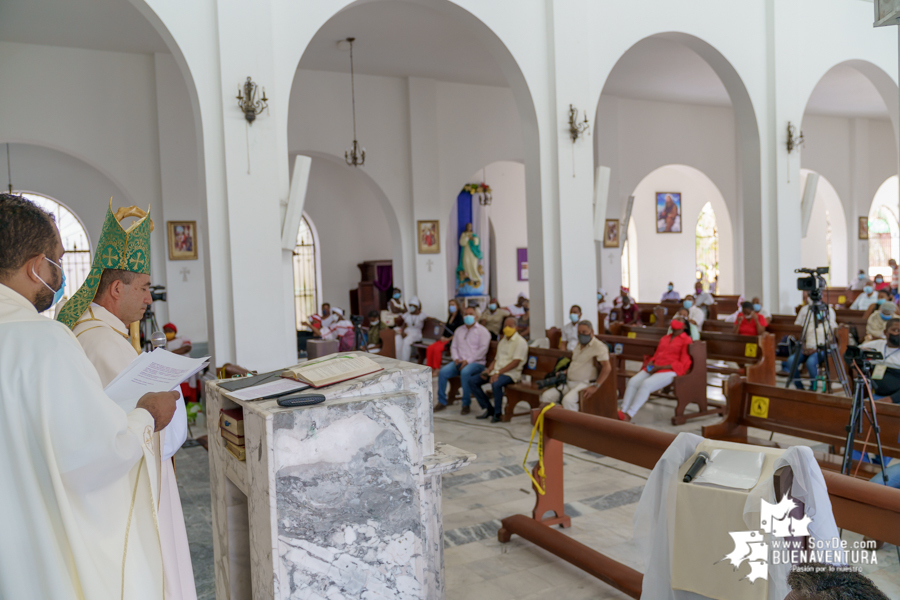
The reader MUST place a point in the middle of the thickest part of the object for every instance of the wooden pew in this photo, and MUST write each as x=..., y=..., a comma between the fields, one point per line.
x=432, y=330
x=725, y=305
x=860, y=506
x=755, y=355
x=687, y=389
x=807, y=415
x=646, y=309
x=843, y=296
x=388, y=344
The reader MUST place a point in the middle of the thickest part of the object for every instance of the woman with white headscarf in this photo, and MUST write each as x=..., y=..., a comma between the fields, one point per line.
x=411, y=330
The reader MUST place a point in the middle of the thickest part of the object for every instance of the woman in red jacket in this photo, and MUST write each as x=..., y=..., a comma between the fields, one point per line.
x=670, y=360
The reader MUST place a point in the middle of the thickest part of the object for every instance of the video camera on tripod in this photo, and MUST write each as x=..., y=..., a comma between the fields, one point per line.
x=148, y=321
x=813, y=283
x=863, y=357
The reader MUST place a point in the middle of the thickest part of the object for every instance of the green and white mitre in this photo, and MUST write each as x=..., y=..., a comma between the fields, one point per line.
x=118, y=248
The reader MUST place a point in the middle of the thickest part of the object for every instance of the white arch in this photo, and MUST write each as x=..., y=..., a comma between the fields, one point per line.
x=886, y=198
x=814, y=245
x=662, y=257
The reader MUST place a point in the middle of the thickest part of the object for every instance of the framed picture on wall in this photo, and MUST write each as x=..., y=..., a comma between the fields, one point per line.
x=668, y=212
x=182, y=240
x=522, y=263
x=864, y=228
x=611, y=234
x=429, y=237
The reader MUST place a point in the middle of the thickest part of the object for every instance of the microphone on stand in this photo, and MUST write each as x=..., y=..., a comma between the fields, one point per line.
x=158, y=340
x=699, y=465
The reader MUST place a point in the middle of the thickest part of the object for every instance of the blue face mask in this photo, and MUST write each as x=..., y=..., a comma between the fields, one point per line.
x=688, y=303
x=868, y=289
x=757, y=307
x=879, y=302
x=885, y=317
x=492, y=306
x=469, y=320
x=599, y=297
x=574, y=317
x=57, y=294
x=396, y=295
x=452, y=308
x=670, y=287
x=861, y=276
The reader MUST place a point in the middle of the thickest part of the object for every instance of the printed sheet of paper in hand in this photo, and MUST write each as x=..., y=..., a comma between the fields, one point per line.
x=332, y=370
x=157, y=371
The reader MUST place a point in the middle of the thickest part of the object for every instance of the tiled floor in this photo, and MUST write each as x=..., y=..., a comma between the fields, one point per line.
x=601, y=495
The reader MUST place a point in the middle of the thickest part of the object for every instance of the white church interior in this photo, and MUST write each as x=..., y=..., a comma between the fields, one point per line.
x=561, y=131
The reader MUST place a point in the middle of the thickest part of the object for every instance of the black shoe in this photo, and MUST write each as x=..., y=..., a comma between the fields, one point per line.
x=439, y=407
x=465, y=410
x=486, y=414
x=495, y=419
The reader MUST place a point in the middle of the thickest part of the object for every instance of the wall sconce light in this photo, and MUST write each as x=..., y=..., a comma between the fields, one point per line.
x=248, y=102
x=577, y=129
x=794, y=138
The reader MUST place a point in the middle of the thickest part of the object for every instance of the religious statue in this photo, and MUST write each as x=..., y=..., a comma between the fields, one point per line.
x=469, y=270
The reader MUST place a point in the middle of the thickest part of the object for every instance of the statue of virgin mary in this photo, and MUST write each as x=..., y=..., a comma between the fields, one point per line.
x=469, y=254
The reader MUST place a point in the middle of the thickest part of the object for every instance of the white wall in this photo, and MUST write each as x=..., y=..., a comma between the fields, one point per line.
x=181, y=198
x=351, y=225
x=635, y=137
x=827, y=211
x=664, y=257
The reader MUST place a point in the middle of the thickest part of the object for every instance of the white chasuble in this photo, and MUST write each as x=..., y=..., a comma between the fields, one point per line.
x=105, y=341
x=78, y=472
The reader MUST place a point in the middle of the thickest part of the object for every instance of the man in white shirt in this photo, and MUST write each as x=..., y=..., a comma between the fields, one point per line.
x=518, y=309
x=889, y=346
x=864, y=300
x=603, y=305
x=861, y=281
x=702, y=300
x=801, y=315
x=695, y=314
x=570, y=329
x=411, y=331
x=78, y=472
x=670, y=295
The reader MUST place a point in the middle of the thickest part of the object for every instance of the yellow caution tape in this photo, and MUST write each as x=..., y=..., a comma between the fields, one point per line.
x=538, y=427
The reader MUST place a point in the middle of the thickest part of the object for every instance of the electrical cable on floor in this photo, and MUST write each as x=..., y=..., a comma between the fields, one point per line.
x=524, y=441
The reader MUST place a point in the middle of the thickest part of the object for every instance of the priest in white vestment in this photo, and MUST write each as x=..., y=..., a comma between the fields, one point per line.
x=119, y=297
x=79, y=492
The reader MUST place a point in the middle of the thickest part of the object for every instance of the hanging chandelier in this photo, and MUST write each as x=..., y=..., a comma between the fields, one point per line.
x=356, y=154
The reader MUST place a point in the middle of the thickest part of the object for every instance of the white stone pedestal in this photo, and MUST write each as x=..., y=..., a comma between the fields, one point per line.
x=337, y=500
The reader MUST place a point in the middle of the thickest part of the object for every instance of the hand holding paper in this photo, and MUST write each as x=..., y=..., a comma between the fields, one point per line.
x=157, y=371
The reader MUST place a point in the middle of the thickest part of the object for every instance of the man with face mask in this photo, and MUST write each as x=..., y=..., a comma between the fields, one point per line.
x=376, y=329
x=862, y=280
x=695, y=314
x=468, y=350
x=868, y=297
x=115, y=294
x=506, y=368
x=670, y=295
x=588, y=370
x=889, y=347
x=569, y=339
x=493, y=318
x=78, y=468
x=702, y=300
x=878, y=320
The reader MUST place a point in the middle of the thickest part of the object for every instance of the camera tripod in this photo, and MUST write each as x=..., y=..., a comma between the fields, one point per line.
x=148, y=327
x=818, y=313
x=863, y=405
x=359, y=342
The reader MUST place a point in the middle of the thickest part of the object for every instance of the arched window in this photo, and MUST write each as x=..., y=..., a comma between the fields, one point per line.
x=626, y=271
x=884, y=232
x=304, y=275
x=707, y=244
x=76, y=262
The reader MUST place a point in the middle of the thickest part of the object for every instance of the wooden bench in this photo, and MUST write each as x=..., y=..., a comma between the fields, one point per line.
x=689, y=388
x=726, y=305
x=842, y=296
x=540, y=363
x=806, y=415
x=859, y=506
x=755, y=355
x=646, y=309
x=432, y=331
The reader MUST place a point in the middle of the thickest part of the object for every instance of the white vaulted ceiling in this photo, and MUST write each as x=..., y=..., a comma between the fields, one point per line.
x=113, y=25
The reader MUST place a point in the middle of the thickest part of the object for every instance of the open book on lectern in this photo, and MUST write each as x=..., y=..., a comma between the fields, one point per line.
x=333, y=369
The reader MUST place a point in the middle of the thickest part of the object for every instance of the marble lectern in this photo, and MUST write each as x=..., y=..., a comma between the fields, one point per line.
x=337, y=500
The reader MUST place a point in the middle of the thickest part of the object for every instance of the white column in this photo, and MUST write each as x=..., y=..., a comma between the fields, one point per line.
x=256, y=179
x=573, y=169
x=857, y=204
x=781, y=208
x=430, y=269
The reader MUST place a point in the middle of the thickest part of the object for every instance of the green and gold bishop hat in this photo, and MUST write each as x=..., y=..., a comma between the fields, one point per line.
x=118, y=248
